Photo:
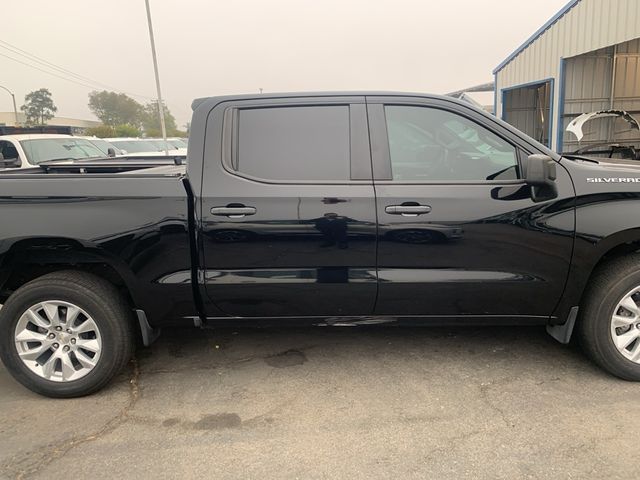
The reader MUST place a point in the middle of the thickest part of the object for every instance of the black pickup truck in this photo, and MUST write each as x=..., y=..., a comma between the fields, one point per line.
x=328, y=209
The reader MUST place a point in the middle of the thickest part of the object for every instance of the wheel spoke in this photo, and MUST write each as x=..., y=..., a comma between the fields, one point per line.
x=30, y=336
x=68, y=370
x=87, y=326
x=52, y=312
x=37, y=320
x=90, y=345
x=72, y=315
x=32, y=354
x=49, y=366
x=85, y=360
x=630, y=305
x=626, y=339
x=620, y=322
x=634, y=353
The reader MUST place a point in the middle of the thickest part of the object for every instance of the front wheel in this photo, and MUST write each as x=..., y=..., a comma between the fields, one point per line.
x=610, y=322
x=65, y=334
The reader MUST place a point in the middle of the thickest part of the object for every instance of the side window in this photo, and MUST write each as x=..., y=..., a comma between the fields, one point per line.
x=429, y=144
x=293, y=143
x=7, y=150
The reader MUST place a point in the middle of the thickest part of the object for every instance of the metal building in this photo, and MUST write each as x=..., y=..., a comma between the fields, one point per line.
x=584, y=59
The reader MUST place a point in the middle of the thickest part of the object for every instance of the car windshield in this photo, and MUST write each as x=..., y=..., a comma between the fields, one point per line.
x=104, y=146
x=135, y=146
x=159, y=143
x=172, y=143
x=44, y=149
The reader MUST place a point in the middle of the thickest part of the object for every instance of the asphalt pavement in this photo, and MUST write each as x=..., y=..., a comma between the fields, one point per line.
x=335, y=403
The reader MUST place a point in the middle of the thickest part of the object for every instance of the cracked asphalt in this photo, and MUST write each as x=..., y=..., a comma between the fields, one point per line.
x=322, y=403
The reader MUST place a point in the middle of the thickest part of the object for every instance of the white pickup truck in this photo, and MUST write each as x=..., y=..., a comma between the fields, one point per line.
x=28, y=150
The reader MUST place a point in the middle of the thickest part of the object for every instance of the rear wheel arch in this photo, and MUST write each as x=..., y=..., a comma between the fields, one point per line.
x=22, y=265
x=31, y=258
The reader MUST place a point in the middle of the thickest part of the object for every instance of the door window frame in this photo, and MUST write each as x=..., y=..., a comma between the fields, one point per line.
x=380, y=151
x=359, y=155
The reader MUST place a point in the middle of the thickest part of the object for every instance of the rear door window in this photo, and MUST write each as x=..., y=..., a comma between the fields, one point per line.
x=306, y=143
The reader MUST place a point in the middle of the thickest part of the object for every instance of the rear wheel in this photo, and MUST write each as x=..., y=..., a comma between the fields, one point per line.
x=610, y=325
x=65, y=334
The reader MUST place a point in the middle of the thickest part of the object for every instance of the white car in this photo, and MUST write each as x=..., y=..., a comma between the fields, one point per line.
x=108, y=149
x=29, y=150
x=140, y=147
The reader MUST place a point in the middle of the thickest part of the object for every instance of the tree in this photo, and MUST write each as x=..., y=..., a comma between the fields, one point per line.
x=101, y=131
x=127, y=131
x=39, y=107
x=115, y=108
x=151, y=121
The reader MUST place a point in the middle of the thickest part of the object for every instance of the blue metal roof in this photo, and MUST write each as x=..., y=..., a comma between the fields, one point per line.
x=535, y=36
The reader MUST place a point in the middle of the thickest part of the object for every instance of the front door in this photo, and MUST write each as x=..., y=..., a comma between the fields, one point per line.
x=459, y=235
x=288, y=212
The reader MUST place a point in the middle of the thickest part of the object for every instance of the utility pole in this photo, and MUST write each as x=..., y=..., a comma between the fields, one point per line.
x=155, y=69
x=15, y=109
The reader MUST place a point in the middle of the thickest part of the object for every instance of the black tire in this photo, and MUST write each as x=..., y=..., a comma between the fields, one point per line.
x=101, y=300
x=606, y=289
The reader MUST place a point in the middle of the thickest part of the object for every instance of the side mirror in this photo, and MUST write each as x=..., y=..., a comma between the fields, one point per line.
x=540, y=174
x=10, y=163
x=111, y=152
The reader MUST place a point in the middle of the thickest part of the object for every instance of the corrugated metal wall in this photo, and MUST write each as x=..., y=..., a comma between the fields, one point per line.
x=590, y=25
x=588, y=88
x=528, y=110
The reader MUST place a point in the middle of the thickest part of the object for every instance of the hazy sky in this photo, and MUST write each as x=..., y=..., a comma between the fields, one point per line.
x=215, y=47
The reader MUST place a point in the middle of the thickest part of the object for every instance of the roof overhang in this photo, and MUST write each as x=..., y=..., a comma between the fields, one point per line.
x=536, y=35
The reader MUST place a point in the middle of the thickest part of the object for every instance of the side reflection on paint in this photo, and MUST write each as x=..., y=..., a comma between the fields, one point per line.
x=298, y=276
x=333, y=228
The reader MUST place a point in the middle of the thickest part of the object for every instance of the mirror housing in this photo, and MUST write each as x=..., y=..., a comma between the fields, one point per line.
x=540, y=175
x=10, y=163
x=111, y=152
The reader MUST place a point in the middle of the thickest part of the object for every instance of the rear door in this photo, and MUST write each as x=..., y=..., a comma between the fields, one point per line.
x=288, y=209
x=459, y=235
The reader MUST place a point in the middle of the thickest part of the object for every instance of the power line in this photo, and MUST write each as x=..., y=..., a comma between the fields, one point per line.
x=79, y=79
x=18, y=51
x=45, y=71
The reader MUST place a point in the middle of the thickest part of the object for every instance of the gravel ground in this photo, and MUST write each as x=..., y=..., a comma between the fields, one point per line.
x=353, y=403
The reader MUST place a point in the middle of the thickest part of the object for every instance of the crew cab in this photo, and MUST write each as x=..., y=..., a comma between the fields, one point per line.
x=325, y=209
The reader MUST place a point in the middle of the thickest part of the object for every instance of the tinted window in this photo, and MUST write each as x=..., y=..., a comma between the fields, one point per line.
x=294, y=143
x=428, y=144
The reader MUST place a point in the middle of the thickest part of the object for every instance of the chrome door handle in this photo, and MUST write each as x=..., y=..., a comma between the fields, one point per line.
x=407, y=210
x=233, y=212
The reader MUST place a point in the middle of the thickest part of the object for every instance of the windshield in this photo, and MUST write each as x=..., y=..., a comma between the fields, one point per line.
x=172, y=143
x=135, y=146
x=44, y=149
x=159, y=143
x=104, y=146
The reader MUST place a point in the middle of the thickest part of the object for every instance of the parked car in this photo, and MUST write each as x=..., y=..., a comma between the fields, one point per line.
x=28, y=151
x=107, y=149
x=340, y=209
x=179, y=142
x=133, y=147
x=172, y=146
